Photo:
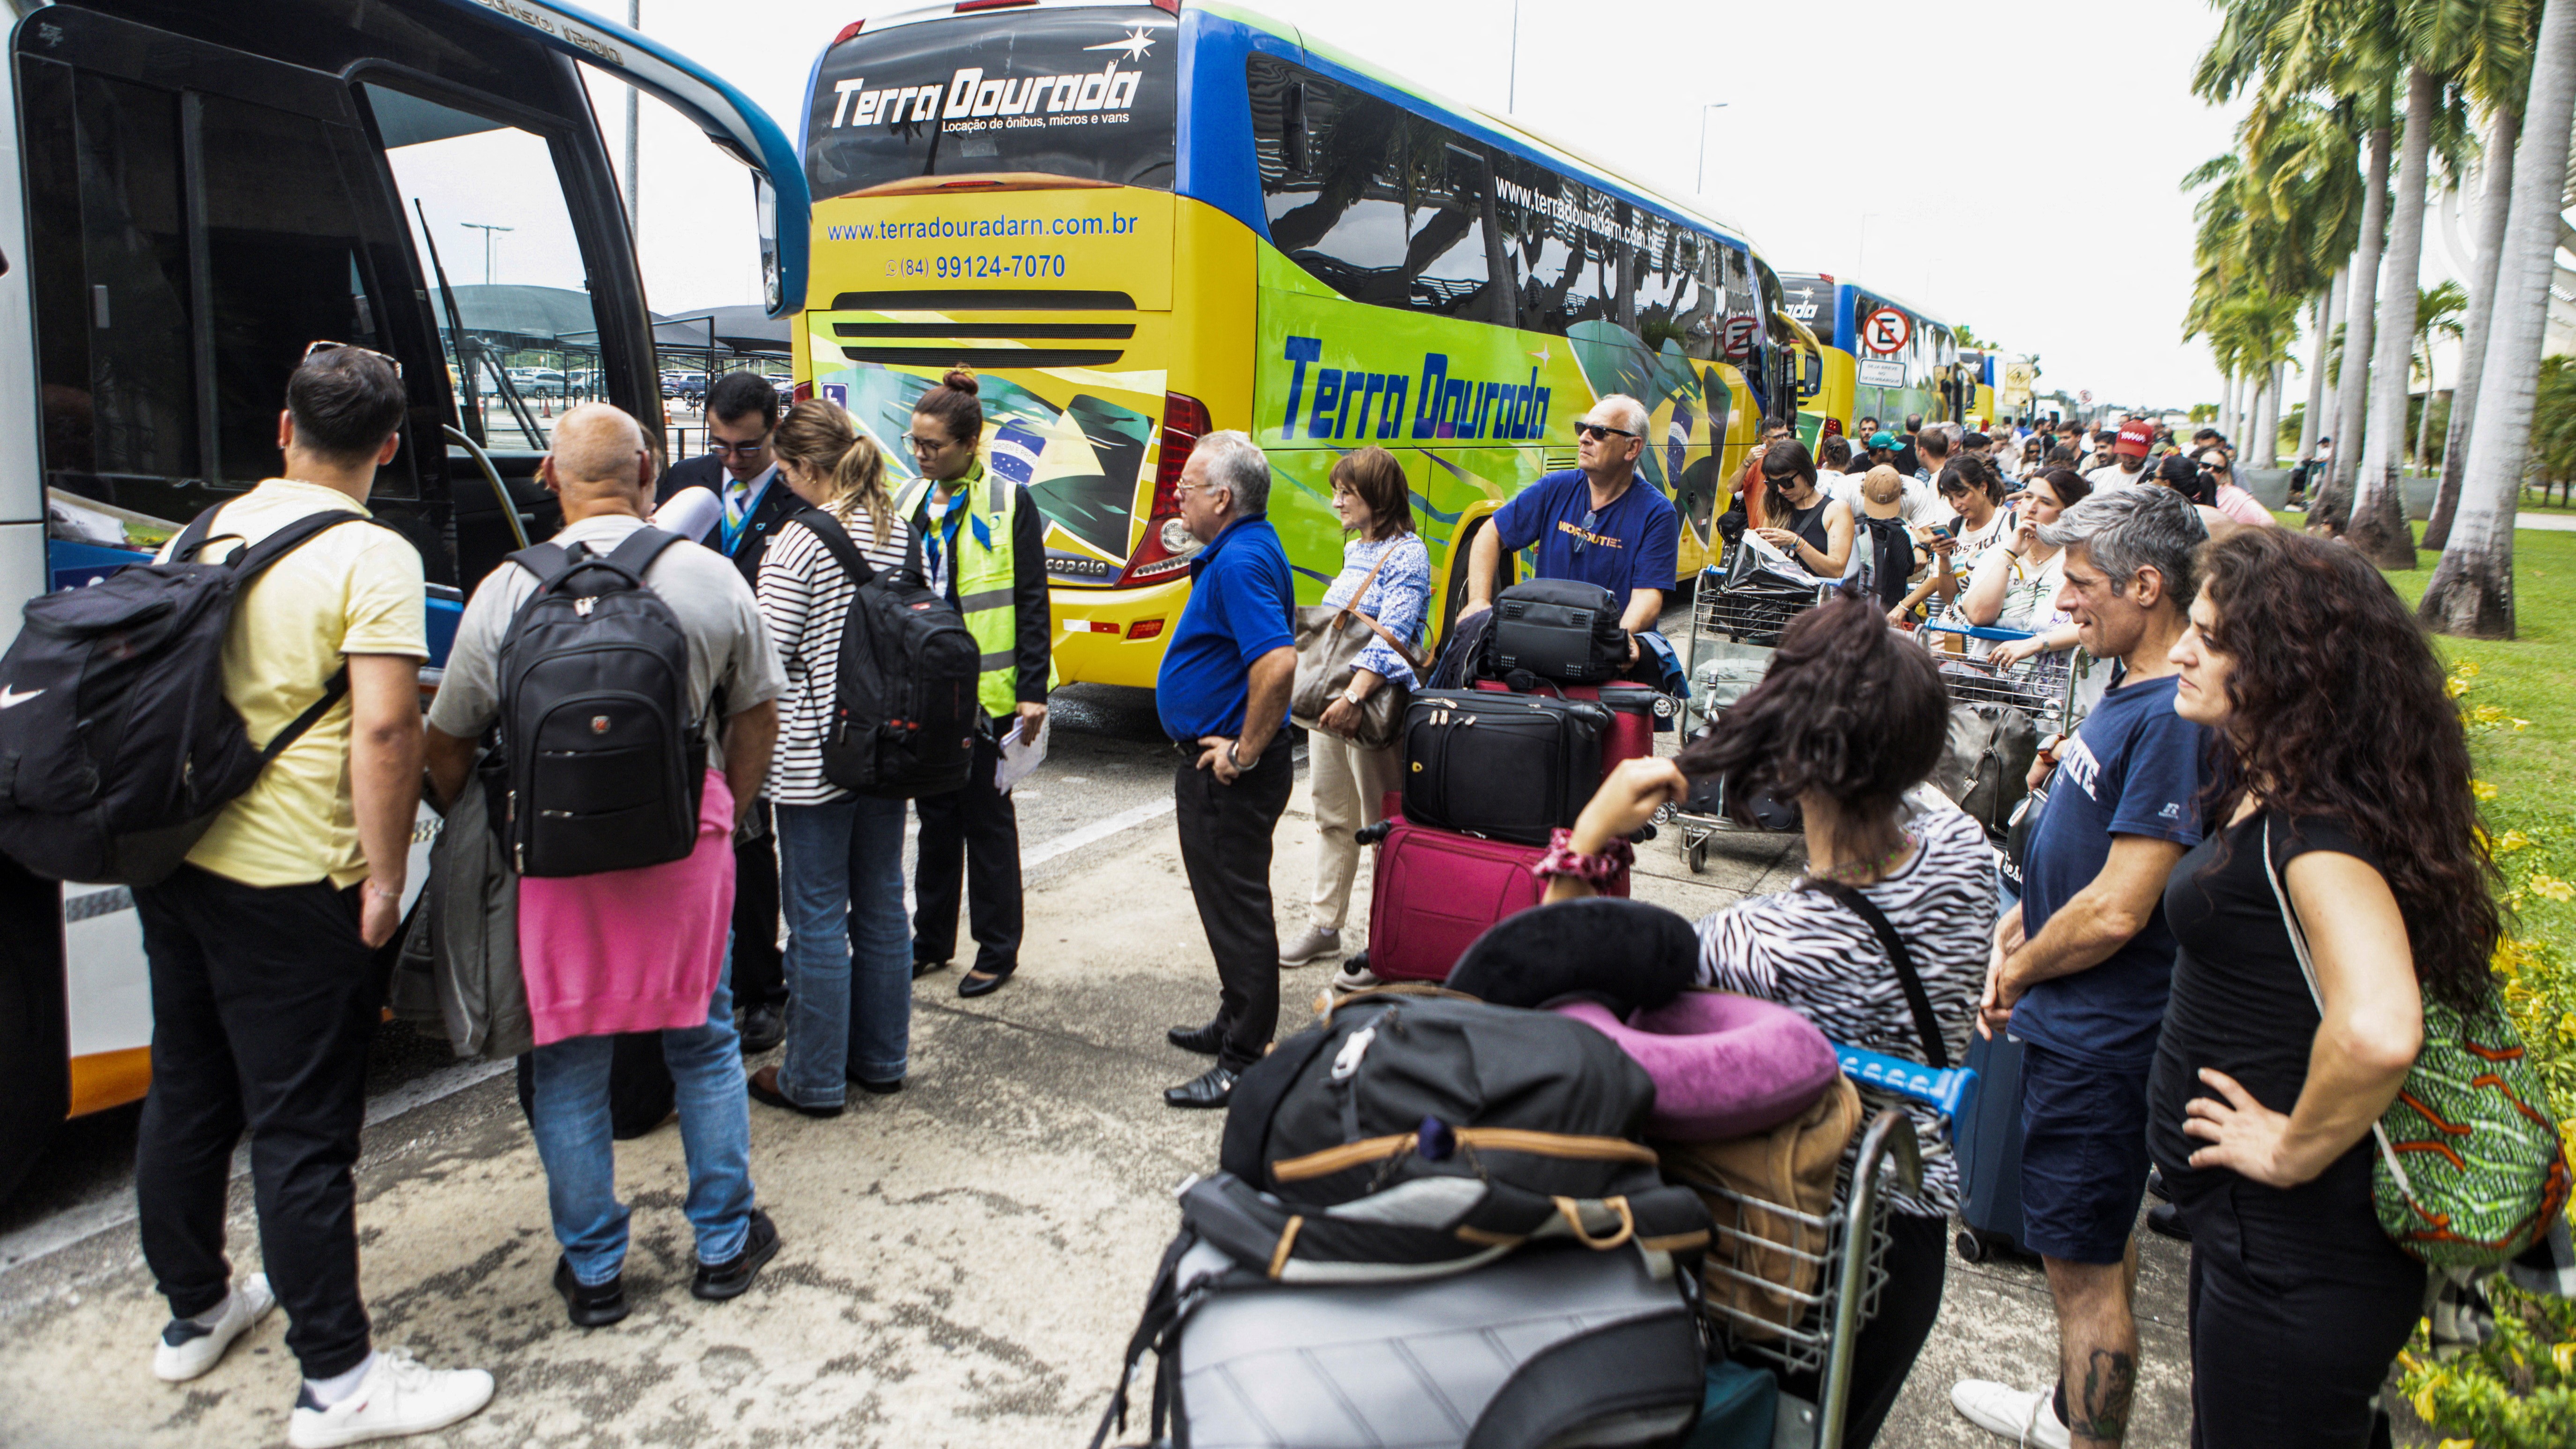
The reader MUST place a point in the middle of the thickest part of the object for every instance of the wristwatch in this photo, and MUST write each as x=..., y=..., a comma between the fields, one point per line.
x=1353, y=698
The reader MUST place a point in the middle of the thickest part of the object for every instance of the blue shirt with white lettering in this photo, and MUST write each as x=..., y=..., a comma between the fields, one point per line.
x=2134, y=768
x=1635, y=543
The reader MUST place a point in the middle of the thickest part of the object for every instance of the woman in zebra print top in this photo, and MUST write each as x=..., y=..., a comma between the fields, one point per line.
x=1848, y=722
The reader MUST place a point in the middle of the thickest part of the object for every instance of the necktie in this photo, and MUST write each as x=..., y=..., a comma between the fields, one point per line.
x=736, y=494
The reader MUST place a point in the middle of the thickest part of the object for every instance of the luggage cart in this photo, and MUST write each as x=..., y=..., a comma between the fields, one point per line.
x=1847, y=1250
x=1744, y=619
x=2045, y=686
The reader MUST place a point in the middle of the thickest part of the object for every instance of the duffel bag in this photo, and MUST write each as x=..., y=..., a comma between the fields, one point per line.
x=1507, y=766
x=1565, y=630
x=1556, y=1346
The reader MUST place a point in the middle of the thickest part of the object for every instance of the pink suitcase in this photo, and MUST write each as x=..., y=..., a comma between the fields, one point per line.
x=1633, y=708
x=1435, y=892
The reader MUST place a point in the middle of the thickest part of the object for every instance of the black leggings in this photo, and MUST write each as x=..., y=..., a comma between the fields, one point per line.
x=2298, y=1303
x=1918, y=1259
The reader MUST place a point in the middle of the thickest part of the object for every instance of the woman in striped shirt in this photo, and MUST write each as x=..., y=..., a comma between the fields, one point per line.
x=849, y=947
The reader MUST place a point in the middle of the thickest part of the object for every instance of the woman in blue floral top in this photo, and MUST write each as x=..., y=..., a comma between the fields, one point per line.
x=1348, y=781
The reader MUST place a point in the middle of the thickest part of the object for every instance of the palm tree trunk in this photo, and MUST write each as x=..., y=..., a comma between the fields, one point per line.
x=2320, y=333
x=2471, y=591
x=2424, y=420
x=2492, y=204
x=2261, y=383
x=2267, y=423
x=2379, y=497
x=2226, y=419
x=2334, y=503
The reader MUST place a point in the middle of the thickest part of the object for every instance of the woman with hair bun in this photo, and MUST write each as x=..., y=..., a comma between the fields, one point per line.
x=849, y=1003
x=2260, y=1106
x=983, y=544
x=1850, y=718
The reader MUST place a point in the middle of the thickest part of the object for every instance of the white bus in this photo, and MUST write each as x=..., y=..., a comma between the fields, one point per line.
x=195, y=192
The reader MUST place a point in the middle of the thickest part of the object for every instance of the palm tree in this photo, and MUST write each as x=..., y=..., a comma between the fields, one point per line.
x=2437, y=314
x=2497, y=78
x=2378, y=523
x=2471, y=591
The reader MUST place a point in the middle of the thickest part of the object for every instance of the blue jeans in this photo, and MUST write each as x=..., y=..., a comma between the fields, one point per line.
x=569, y=1115
x=849, y=948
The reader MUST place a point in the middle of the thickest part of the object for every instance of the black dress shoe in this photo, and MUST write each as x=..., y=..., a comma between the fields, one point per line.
x=590, y=1307
x=763, y=1028
x=2165, y=1220
x=1205, y=1040
x=763, y=1087
x=978, y=983
x=2156, y=1185
x=882, y=1089
x=921, y=968
x=716, y=1282
x=1210, y=1088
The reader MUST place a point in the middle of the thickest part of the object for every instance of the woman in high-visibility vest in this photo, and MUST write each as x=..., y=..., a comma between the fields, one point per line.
x=983, y=545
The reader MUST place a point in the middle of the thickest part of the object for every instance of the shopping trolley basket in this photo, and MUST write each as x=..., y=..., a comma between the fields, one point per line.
x=2042, y=686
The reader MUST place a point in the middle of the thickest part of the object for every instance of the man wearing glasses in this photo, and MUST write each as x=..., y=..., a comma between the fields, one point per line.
x=1591, y=522
x=742, y=411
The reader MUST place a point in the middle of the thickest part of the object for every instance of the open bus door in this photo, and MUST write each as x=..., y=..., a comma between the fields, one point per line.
x=196, y=193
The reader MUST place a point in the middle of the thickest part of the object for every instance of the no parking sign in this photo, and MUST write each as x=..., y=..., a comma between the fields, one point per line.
x=1885, y=331
x=1739, y=336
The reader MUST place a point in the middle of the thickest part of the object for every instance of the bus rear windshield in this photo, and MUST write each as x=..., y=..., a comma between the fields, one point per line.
x=1090, y=95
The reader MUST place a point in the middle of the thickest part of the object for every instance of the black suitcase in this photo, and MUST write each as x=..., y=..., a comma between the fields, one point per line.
x=1505, y=766
x=1558, y=629
x=1988, y=1144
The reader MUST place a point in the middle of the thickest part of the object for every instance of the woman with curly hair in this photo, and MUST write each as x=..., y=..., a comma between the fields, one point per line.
x=1849, y=719
x=2261, y=1106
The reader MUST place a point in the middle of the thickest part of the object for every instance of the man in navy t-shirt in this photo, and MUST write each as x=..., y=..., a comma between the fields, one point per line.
x=1598, y=522
x=2081, y=966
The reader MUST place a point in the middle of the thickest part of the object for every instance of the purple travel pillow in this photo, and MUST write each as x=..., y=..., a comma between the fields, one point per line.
x=1724, y=1065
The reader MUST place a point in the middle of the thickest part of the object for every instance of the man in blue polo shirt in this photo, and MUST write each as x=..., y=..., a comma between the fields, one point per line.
x=1223, y=698
x=1598, y=522
x=2082, y=966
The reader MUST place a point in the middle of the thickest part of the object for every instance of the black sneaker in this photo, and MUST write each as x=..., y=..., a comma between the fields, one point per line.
x=763, y=1028
x=717, y=1282
x=591, y=1306
x=921, y=968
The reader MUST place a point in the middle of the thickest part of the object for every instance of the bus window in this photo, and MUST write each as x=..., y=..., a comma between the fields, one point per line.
x=1087, y=94
x=487, y=214
x=1389, y=208
x=191, y=246
x=1561, y=237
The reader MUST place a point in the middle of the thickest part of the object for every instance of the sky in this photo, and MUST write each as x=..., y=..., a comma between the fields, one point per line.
x=2014, y=165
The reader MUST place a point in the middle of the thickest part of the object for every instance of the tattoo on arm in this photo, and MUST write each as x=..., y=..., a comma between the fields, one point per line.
x=2102, y=1411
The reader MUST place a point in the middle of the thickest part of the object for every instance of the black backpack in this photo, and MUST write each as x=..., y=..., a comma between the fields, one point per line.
x=1563, y=630
x=605, y=751
x=1886, y=558
x=117, y=746
x=904, y=712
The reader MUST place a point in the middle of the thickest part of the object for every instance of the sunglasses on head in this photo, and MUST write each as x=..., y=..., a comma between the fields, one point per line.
x=393, y=363
x=1597, y=431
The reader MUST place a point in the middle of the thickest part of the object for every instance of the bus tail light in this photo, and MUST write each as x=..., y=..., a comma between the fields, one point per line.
x=804, y=393
x=969, y=7
x=1144, y=629
x=849, y=30
x=1166, y=547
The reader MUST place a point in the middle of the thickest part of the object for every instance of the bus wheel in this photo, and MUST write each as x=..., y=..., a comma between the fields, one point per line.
x=1461, y=551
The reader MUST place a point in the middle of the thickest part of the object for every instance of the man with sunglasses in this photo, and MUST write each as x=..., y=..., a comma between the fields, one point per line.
x=742, y=412
x=1592, y=522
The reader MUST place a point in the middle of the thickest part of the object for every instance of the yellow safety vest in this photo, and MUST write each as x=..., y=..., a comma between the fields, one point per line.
x=983, y=574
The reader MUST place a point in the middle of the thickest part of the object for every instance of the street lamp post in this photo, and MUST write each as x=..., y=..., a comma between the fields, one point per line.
x=487, y=229
x=1701, y=186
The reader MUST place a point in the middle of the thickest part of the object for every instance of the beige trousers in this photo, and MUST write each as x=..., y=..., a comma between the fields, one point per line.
x=1346, y=783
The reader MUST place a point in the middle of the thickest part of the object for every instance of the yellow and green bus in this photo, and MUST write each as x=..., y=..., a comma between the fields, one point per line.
x=1144, y=222
x=1876, y=358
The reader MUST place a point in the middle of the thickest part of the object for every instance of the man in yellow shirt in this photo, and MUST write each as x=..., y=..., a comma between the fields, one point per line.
x=260, y=946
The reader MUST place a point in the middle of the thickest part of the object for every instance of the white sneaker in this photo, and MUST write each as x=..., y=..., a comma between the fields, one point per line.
x=2026, y=1418
x=1350, y=977
x=1318, y=942
x=399, y=1396
x=202, y=1349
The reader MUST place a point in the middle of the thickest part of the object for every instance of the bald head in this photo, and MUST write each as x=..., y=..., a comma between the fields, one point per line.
x=599, y=463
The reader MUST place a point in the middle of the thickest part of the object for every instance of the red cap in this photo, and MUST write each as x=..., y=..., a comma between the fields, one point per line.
x=2135, y=439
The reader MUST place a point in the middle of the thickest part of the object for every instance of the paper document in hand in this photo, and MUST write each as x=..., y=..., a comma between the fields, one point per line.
x=1772, y=558
x=1019, y=755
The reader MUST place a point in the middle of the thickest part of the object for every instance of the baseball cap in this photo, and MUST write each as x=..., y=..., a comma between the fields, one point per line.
x=1882, y=439
x=2135, y=439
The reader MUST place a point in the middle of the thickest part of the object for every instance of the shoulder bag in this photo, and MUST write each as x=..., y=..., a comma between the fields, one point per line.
x=2470, y=1171
x=1328, y=651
